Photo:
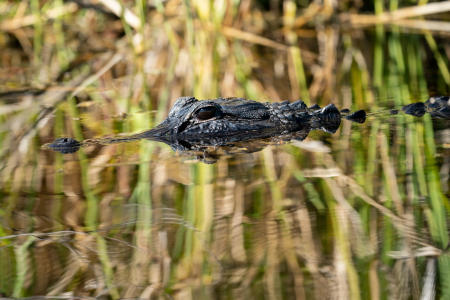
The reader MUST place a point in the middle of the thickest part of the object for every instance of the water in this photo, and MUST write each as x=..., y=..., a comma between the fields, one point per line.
x=359, y=214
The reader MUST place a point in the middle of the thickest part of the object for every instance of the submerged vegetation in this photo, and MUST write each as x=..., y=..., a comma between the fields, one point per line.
x=362, y=214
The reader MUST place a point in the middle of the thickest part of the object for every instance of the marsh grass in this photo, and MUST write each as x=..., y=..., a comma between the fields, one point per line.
x=362, y=216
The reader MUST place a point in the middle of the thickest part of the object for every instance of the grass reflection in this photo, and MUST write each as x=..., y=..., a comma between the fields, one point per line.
x=363, y=215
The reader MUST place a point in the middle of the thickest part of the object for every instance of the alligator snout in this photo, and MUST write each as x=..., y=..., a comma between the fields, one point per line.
x=64, y=145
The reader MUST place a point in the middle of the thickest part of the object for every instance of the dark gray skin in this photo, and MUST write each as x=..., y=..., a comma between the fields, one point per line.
x=195, y=125
x=227, y=117
x=437, y=107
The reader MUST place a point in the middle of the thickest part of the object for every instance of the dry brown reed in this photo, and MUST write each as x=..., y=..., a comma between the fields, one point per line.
x=326, y=218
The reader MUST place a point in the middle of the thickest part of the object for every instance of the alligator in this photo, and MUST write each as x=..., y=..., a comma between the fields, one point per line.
x=194, y=125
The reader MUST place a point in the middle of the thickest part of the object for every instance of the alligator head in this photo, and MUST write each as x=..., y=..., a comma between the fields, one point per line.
x=194, y=125
x=221, y=117
x=239, y=119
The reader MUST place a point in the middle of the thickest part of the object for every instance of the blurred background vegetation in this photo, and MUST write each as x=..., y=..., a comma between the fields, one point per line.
x=362, y=214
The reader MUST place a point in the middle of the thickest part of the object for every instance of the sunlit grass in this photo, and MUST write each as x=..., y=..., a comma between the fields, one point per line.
x=271, y=223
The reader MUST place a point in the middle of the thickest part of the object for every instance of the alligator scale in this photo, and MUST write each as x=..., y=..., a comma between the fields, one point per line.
x=194, y=125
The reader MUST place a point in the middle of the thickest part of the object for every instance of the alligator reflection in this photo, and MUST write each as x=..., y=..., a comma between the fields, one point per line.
x=211, y=128
x=207, y=149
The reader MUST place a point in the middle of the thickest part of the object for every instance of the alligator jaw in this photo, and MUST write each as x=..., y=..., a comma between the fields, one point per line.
x=164, y=129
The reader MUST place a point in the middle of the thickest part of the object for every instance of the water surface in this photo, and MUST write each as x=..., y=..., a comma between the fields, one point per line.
x=362, y=213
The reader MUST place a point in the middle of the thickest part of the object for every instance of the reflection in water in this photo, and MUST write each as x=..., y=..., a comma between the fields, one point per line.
x=202, y=126
x=358, y=214
x=238, y=125
x=248, y=226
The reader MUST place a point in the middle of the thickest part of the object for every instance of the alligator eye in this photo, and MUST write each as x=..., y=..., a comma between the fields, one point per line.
x=206, y=113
